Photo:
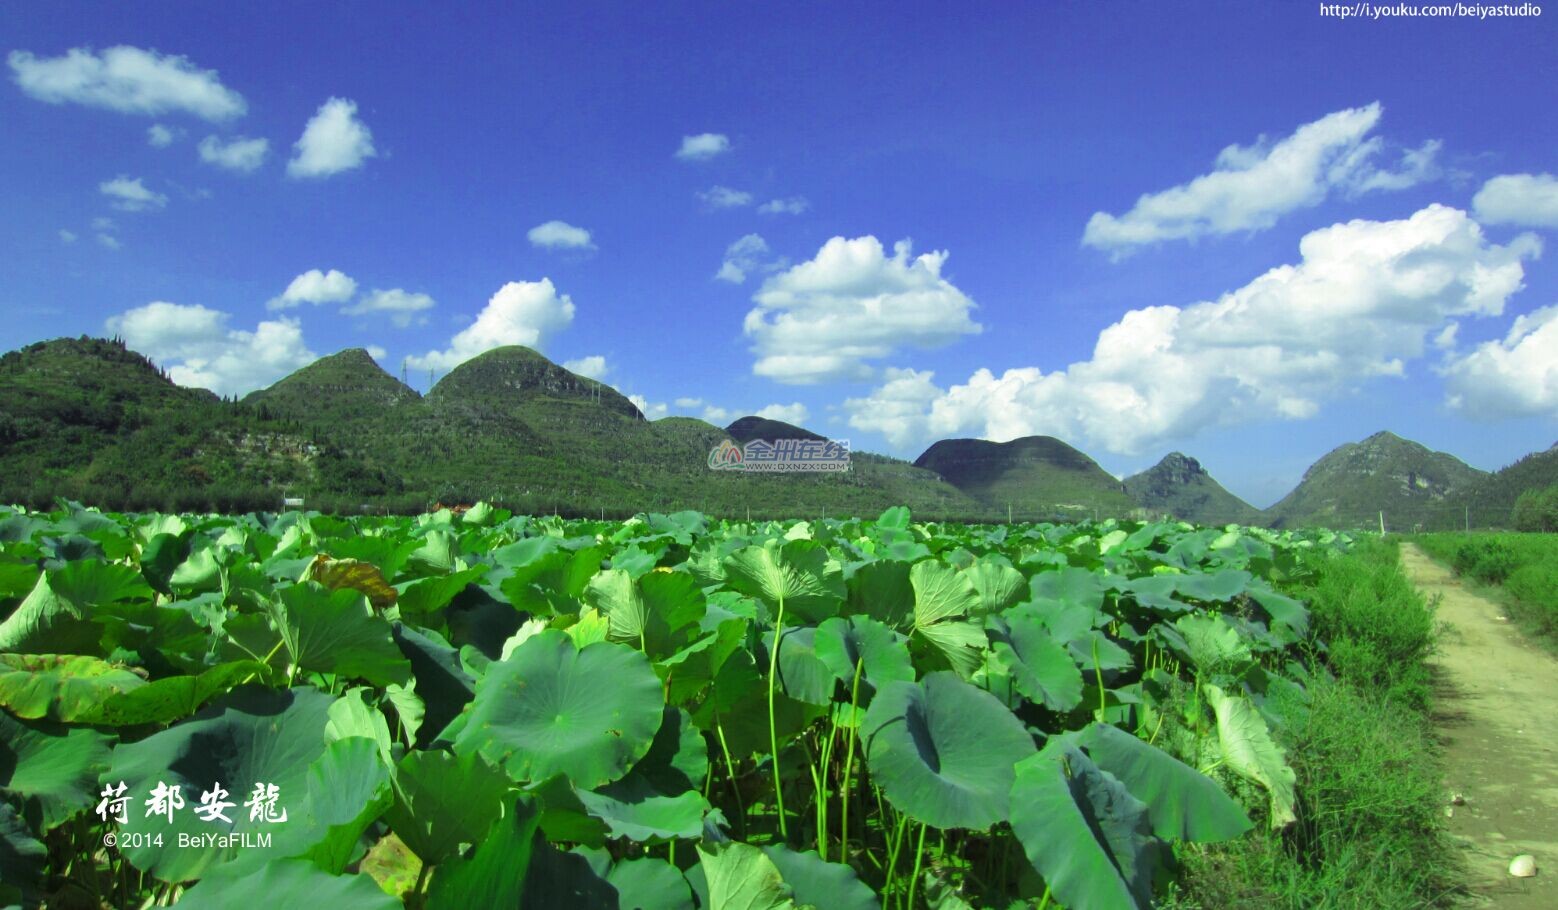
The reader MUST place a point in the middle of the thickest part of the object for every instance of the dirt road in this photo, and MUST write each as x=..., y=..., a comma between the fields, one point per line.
x=1497, y=716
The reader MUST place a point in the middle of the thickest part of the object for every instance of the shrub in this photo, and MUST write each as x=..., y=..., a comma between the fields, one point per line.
x=1537, y=510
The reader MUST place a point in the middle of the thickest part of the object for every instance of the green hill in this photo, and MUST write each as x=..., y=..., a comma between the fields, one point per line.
x=1490, y=502
x=91, y=420
x=1036, y=476
x=1180, y=487
x=1348, y=487
x=746, y=429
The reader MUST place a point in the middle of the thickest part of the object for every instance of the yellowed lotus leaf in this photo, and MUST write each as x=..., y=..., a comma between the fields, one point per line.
x=356, y=574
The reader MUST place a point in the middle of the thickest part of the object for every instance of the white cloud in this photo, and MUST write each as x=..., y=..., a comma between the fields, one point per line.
x=689, y=403
x=1251, y=187
x=376, y=352
x=723, y=197
x=794, y=413
x=1365, y=298
x=1516, y=377
x=131, y=195
x=717, y=415
x=159, y=136
x=653, y=410
x=748, y=254
x=197, y=348
x=102, y=223
x=794, y=205
x=703, y=146
x=239, y=154
x=593, y=367
x=67, y=236
x=109, y=241
x=314, y=286
x=126, y=79
x=521, y=312
x=824, y=319
x=1530, y=200
x=401, y=306
x=333, y=141
x=560, y=235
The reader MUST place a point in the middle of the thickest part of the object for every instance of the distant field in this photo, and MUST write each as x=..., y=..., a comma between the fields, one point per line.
x=1521, y=569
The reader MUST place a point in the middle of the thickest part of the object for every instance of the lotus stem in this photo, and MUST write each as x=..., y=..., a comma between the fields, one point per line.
x=849, y=761
x=773, y=735
x=919, y=856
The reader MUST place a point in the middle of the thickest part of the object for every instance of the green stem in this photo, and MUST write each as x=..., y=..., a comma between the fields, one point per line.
x=1098, y=673
x=773, y=735
x=1045, y=901
x=892, y=859
x=849, y=762
x=730, y=766
x=919, y=856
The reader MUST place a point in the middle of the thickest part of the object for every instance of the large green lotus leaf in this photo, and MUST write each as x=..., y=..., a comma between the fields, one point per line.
x=1096, y=648
x=436, y=555
x=649, y=884
x=552, y=708
x=1283, y=611
x=22, y=859
x=338, y=632
x=420, y=599
x=1041, y=668
x=656, y=610
x=443, y=800
x=554, y=582
x=56, y=617
x=800, y=575
x=442, y=683
x=356, y=714
x=247, y=737
x=742, y=877
x=53, y=768
x=999, y=585
x=1211, y=642
x=817, y=883
x=642, y=815
x=802, y=674
x=348, y=788
x=879, y=653
x=1213, y=587
x=1182, y=803
x=1070, y=585
x=287, y=883
x=163, y=701
x=943, y=599
x=1083, y=831
x=494, y=874
x=881, y=590
x=678, y=758
x=943, y=750
x=614, y=593
x=162, y=555
x=59, y=686
x=1247, y=748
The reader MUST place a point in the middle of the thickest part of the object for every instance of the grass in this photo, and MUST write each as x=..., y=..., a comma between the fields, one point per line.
x=1369, y=833
x=1518, y=570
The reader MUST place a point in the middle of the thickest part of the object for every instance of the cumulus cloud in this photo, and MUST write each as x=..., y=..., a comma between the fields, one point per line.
x=652, y=410
x=334, y=140
x=747, y=255
x=795, y=412
x=399, y=305
x=197, y=347
x=1529, y=200
x=593, y=367
x=315, y=286
x=67, y=236
x=689, y=403
x=131, y=195
x=560, y=235
x=159, y=136
x=723, y=197
x=703, y=146
x=521, y=312
x=1515, y=377
x=718, y=415
x=793, y=205
x=238, y=154
x=1250, y=187
x=109, y=241
x=825, y=318
x=126, y=79
x=1364, y=299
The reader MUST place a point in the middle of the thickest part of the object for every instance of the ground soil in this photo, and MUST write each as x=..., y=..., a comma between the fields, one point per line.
x=1496, y=715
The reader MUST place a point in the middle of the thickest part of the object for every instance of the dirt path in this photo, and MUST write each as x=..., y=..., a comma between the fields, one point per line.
x=1497, y=716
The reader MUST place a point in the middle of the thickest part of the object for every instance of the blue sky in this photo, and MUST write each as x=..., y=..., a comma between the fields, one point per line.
x=1281, y=231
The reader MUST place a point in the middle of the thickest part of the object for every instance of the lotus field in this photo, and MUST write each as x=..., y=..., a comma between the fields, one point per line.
x=485, y=710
